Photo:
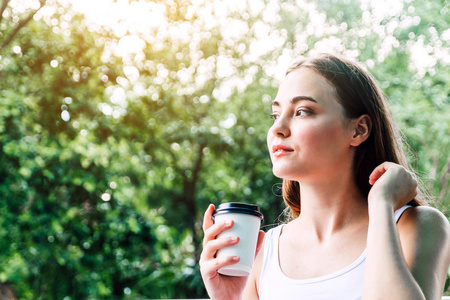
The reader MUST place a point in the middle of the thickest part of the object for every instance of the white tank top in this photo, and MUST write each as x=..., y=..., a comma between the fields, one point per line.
x=344, y=284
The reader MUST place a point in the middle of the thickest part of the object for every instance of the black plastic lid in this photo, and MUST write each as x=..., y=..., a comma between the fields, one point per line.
x=236, y=207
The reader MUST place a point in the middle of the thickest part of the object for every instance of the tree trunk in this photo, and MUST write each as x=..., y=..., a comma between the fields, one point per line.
x=189, y=187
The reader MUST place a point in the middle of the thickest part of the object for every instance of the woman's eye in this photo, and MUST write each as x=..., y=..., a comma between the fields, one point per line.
x=302, y=112
x=274, y=117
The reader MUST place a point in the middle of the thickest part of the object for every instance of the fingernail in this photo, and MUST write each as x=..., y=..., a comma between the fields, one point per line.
x=235, y=258
x=233, y=239
x=228, y=222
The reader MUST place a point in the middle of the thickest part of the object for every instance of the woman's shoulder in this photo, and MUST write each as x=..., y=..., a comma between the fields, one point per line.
x=424, y=225
x=424, y=216
x=424, y=234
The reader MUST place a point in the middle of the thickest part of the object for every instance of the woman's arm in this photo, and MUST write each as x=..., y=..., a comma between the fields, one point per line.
x=409, y=262
x=424, y=235
x=251, y=291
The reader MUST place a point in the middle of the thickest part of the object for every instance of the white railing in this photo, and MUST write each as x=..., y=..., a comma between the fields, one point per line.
x=443, y=298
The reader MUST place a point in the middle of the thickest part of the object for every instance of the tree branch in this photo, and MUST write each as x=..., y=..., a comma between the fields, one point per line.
x=20, y=26
x=175, y=159
x=2, y=9
x=198, y=163
x=192, y=205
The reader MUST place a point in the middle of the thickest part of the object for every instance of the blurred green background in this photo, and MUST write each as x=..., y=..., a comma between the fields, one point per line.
x=120, y=121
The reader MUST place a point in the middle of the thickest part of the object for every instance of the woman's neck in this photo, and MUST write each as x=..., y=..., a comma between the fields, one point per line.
x=330, y=206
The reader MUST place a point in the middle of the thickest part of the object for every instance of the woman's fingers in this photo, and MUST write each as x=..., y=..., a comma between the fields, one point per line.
x=384, y=167
x=210, y=267
x=213, y=231
x=211, y=248
x=209, y=264
x=379, y=171
x=210, y=242
x=207, y=218
x=393, y=183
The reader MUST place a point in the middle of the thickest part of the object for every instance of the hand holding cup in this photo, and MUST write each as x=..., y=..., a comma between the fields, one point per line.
x=220, y=286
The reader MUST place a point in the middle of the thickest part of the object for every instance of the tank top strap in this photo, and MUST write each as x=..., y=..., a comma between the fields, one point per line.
x=271, y=241
x=398, y=213
x=270, y=250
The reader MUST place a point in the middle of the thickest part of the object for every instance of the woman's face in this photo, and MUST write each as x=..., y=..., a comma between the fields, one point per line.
x=310, y=137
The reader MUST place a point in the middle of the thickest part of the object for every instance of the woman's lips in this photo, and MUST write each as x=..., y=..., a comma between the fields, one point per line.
x=281, y=150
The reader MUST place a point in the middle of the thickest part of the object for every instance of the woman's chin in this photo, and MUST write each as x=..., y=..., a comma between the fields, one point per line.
x=284, y=174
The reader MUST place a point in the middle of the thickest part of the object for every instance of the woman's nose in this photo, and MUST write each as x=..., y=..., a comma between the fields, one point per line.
x=280, y=128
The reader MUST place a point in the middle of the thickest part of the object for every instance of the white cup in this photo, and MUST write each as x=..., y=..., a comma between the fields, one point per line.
x=247, y=220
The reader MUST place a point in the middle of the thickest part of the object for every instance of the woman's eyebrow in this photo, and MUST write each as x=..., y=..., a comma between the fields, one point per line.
x=296, y=99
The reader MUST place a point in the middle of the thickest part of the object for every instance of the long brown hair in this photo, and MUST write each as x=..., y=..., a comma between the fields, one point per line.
x=358, y=92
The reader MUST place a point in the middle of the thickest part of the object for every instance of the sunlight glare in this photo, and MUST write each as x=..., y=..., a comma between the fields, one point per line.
x=127, y=20
x=138, y=23
x=129, y=44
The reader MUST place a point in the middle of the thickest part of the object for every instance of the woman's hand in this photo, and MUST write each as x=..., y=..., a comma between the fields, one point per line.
x=220, y=286
x=393, y=183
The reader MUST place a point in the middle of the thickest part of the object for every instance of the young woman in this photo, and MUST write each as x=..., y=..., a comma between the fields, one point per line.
x=358, y=228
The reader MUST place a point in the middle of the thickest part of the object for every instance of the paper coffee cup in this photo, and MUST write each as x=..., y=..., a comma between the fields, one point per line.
x=247, y=220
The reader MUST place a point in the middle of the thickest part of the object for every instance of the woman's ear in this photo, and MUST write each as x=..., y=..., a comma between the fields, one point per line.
x=361, y=128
